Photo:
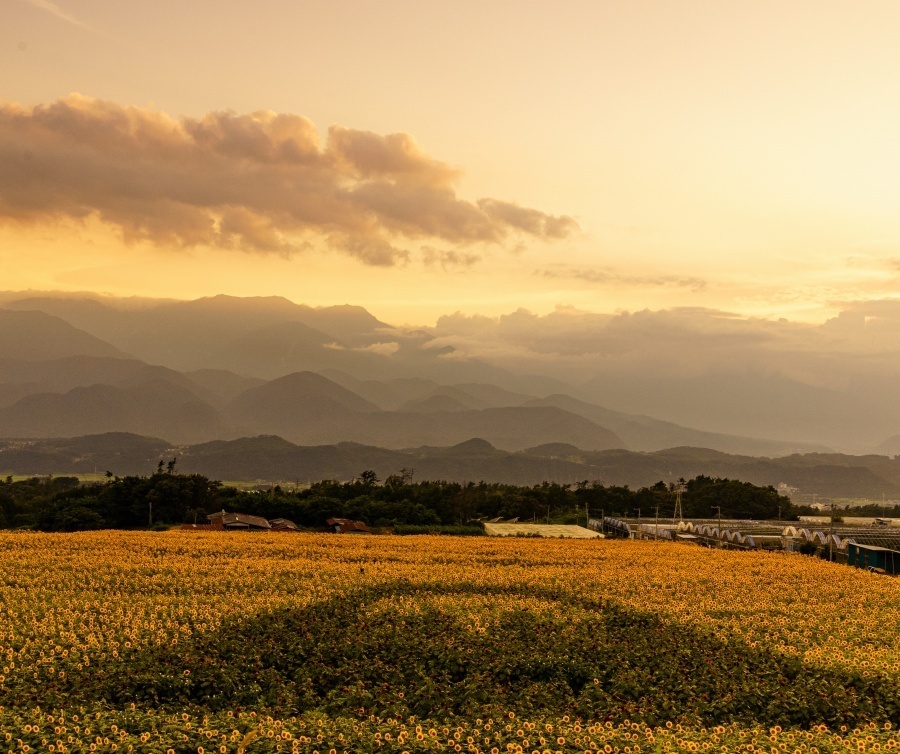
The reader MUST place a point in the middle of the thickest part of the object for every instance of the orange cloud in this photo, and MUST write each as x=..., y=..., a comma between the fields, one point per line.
x=259, y=182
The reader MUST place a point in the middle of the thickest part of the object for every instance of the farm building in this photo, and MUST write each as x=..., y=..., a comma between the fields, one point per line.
x=728, y=534
x=244, y=521
x=283, y=524
x=224, y=521
x=872, y=556
x=852, y=521
x=874, y=544
x=346, y=526
x=202, y=527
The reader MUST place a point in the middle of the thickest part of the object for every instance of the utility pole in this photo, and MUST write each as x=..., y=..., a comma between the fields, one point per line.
x=831, y=535
x=639, y=524
x=679, y=514
x=150, y=522
x=656, y=528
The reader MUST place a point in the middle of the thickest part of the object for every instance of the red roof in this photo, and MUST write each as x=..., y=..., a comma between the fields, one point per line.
x=346, y=526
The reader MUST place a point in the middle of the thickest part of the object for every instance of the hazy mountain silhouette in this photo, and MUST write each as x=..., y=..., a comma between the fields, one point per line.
x=36, y=336
x=645, y=433
x=469, y=395
x=890, y=447
x=494, y=396
x=64, y=374
x=11, y=393
x=309, y=408
x=511, y=428
x=477, y=446
x=189, y=335
x=348, y=324
x=554, y=450
x=222, y=385
x=391, y=394
x=118, y=452
x=276, y=350
x=220, y=347
x=388, y=395
x=436, y=403
x=299, y=405
x=156, y=408
x=758, y=403
x=636, y=432
x=267, y=337
x=272, y=458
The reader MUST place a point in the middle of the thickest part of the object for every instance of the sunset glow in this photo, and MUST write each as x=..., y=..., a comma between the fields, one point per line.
x=606, y=156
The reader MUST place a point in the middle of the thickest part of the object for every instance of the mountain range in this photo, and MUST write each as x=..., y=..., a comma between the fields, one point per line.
x=223, y=368
x=270, y=459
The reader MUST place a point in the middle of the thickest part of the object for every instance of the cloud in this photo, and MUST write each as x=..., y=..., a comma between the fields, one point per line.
x=368, y=155
x=448, y=258
x=604, y=276
x=53, y=8
x=382, y=349
x=372, y=250
x=388, y=348
x=830, y=384
x=528, y=220
x=569, y=343
x=854, y=351
x=260, y=182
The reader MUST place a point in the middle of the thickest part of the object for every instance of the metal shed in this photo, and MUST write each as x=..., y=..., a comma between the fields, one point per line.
x=872, y=556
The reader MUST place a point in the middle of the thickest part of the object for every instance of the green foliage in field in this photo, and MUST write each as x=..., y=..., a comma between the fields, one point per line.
x=585, y=658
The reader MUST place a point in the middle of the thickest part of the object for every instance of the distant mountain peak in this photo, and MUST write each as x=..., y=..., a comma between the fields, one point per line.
x=554, y=450
x=475, y=445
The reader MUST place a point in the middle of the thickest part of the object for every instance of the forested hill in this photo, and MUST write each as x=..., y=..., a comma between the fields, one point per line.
x=273, y=459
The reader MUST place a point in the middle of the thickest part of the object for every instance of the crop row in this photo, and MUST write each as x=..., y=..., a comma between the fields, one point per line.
x=133, y=730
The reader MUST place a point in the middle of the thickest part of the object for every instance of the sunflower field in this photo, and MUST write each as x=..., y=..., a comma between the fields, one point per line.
x=249, y=642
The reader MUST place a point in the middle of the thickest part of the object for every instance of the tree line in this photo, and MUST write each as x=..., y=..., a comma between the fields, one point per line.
x=166, y=498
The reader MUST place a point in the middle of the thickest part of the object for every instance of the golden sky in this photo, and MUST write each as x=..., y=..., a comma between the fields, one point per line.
x=425, y=158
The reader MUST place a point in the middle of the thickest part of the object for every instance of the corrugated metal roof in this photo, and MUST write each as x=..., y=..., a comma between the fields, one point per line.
x=346, y=526
x=239, y=520
x=283, y=524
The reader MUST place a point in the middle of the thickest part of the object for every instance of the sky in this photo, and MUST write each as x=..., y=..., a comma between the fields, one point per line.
x=422, y=159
